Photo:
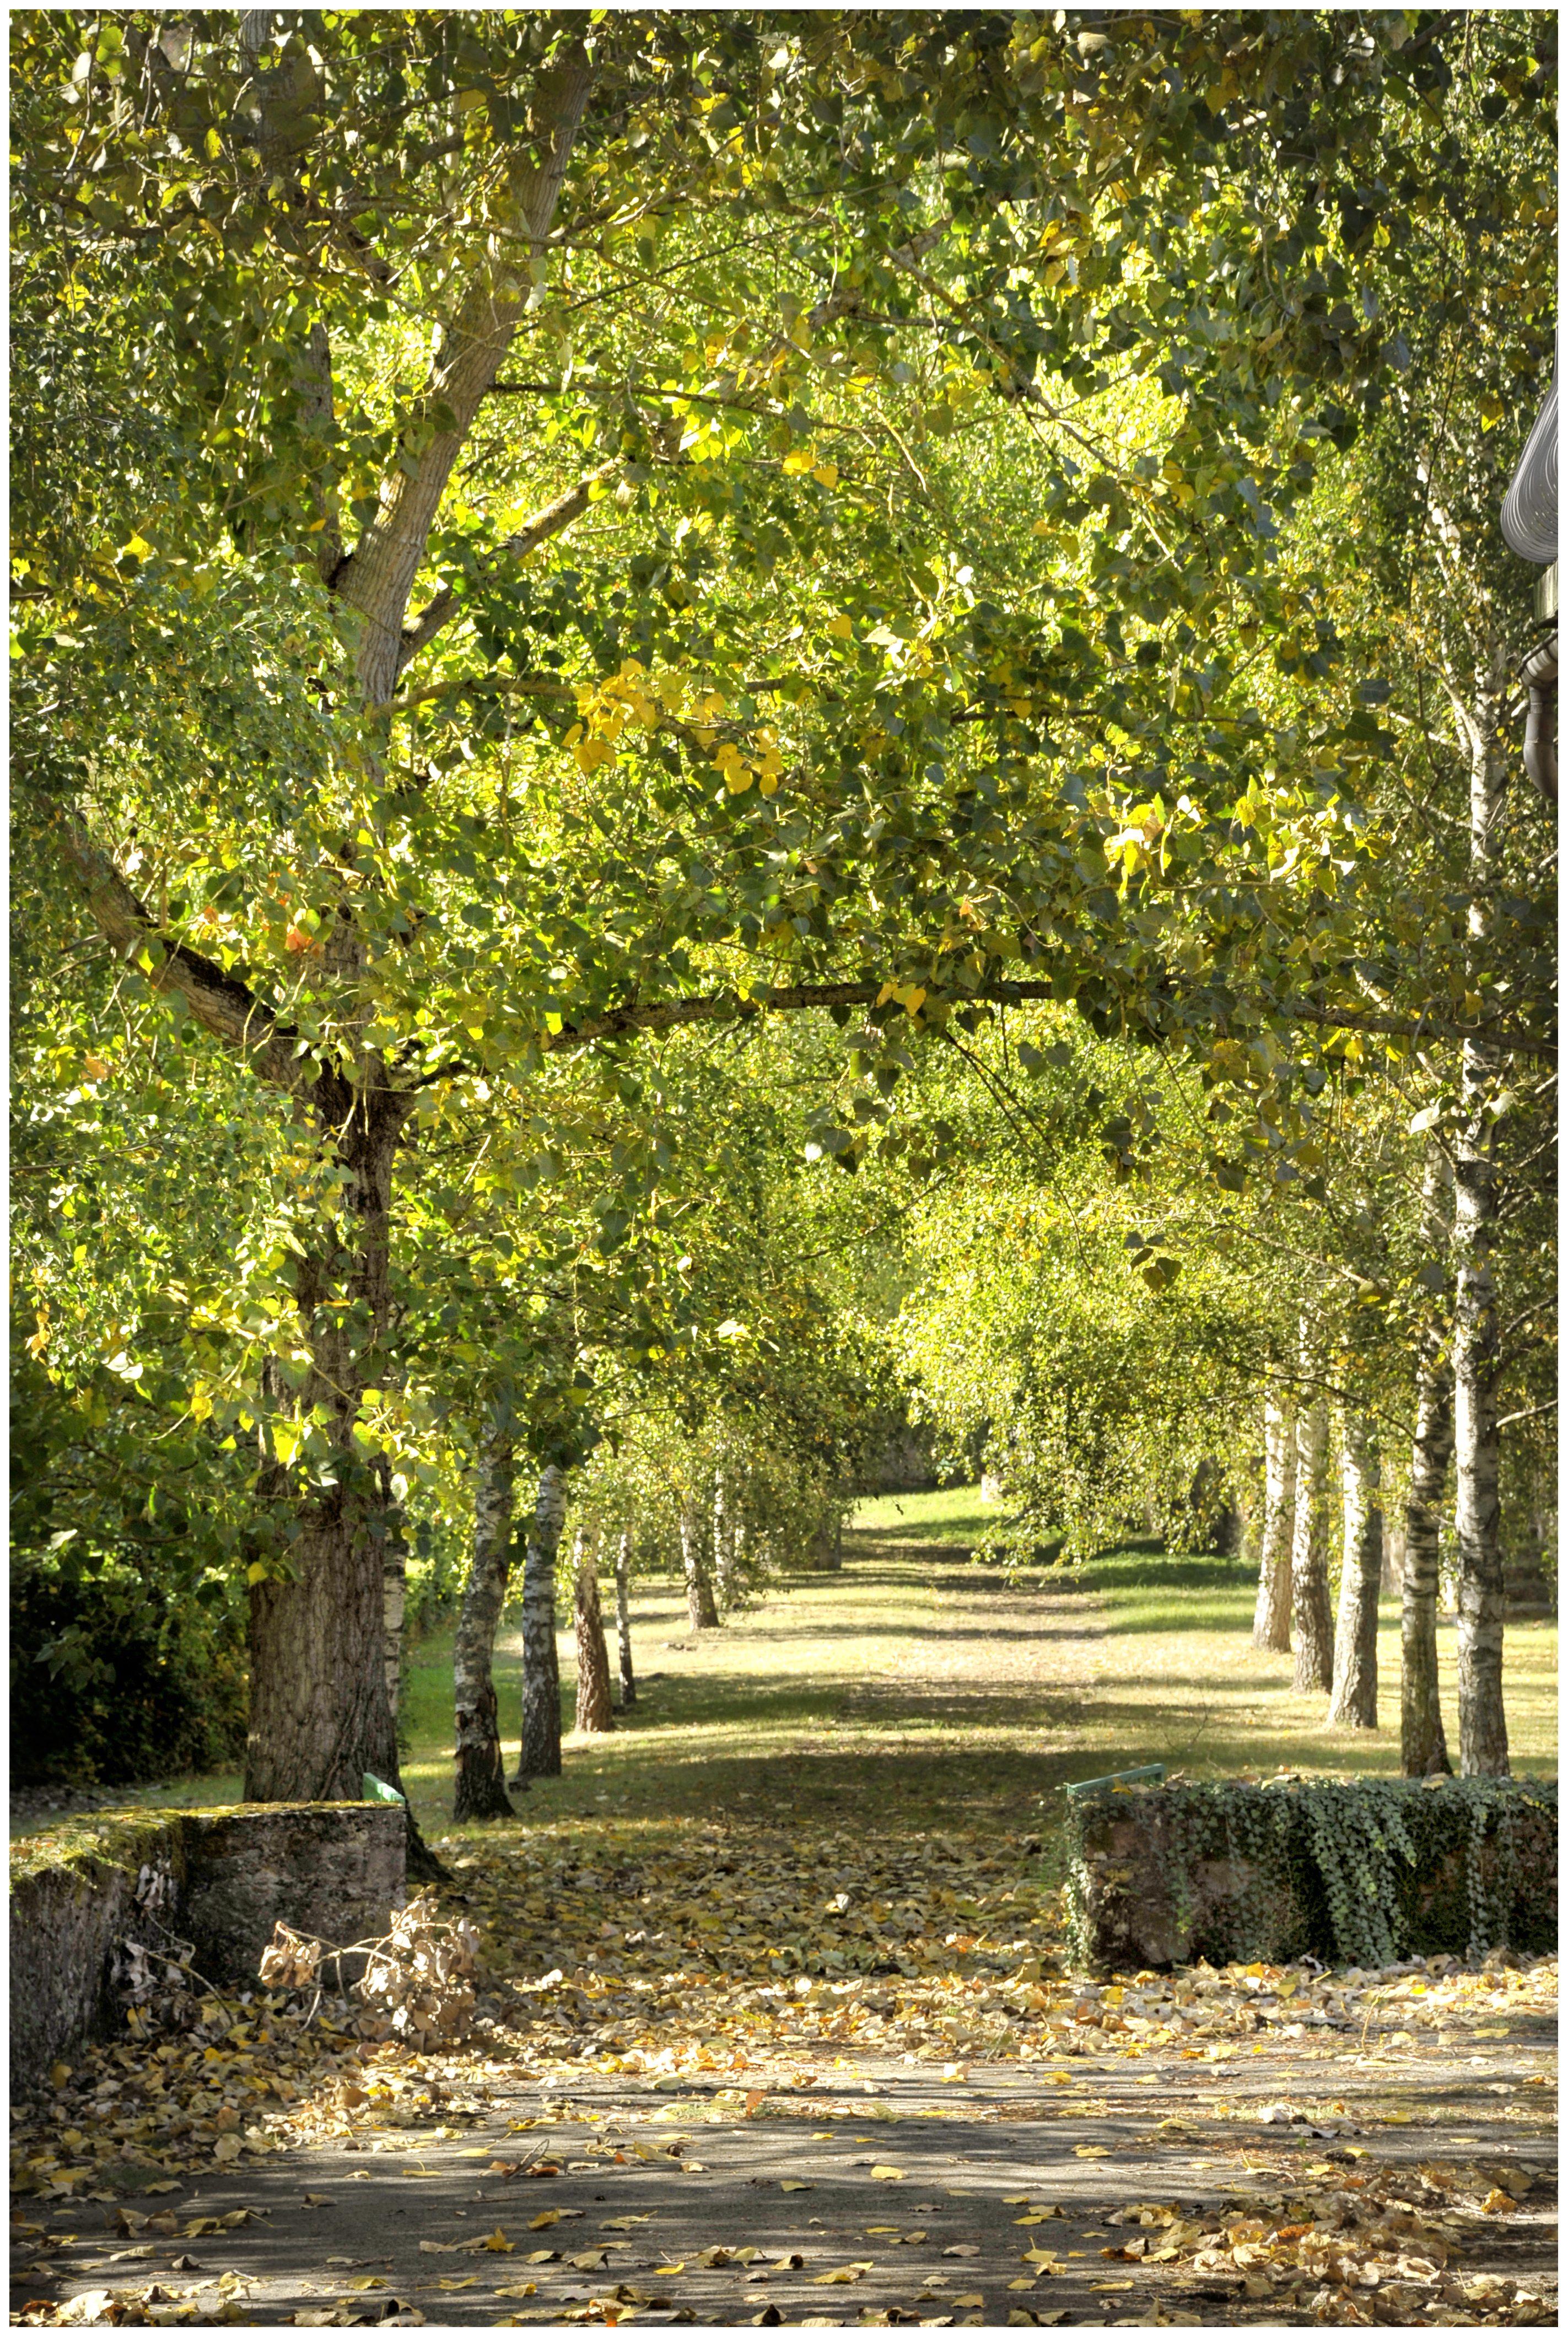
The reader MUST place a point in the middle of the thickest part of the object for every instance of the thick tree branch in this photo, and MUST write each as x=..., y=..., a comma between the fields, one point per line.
x=377, y=577
x=223, y=1005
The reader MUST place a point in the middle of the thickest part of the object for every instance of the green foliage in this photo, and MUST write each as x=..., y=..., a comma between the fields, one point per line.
x=127, y=1627
x=1357, y=1873
x=117, y=1680
x=993, y=584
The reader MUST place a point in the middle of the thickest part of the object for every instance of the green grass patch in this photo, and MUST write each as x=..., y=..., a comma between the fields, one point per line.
x=915, y=1690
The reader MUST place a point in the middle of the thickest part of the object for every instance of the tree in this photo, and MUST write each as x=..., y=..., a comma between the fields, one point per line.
x=1310, y=1609
x=480, y=1785
x=1423, y=1744
x=1271, y=1619
x=1353, y=1695
x=594, y=1712
x=540, y=1754
x=1472, y=290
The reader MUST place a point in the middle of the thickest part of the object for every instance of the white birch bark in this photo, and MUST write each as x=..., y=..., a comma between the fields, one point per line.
x=1271, y=1617
x=1353, y=1702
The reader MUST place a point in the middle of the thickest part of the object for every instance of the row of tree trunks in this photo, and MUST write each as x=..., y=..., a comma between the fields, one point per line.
x=481, y=1789
x=1422, y=1744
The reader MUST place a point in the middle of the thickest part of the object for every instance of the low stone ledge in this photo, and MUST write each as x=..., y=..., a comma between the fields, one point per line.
x=220, y=1878
x=1358, y=1871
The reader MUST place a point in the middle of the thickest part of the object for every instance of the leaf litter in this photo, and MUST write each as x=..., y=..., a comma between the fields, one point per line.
x=751, y=1957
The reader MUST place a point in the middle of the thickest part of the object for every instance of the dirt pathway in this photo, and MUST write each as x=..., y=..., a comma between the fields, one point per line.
x=776, y=2027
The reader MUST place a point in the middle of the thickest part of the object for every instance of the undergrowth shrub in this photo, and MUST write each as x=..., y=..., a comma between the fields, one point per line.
x=115, y=1681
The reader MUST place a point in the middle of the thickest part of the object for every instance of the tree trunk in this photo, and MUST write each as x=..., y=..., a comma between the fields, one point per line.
x=320, y=1713
x=1483, y=1730
x=380, y=576
x=1271, y=1617
x=1309, y=1553
x=827, y=1546
x=595, y=1717
x=1354, y=1701
x=623, y=1618
x=1423, y=1746
x=723, y=1550
x=394, y=1589
x=480, y=1785
x=701, y=1615
x=541, y=1751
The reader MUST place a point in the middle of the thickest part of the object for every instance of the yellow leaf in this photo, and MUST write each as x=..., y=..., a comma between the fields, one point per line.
x=498, y=2243
x=1091, y=2150
x=887, y=2174
x=60, y=2074
x=468, y=2282
x=368, y=2279
x=797, y=2186
x=542, y=2223
x=826, y=474
x=840, y=627
x=528, y=2288
x=800, y=459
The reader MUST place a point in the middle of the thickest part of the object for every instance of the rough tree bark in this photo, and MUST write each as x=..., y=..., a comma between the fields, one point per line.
x=1482, y=1729
x=394, y=1589
x=623, y=1618
x=1353, y=1702
x=1422, y=1744
x=320, y=1715
x=541, y=1749
x=701, y=1615
x=594, y=1715
x=1271, y=1617
x=480, y=1784
x=1314, y=1623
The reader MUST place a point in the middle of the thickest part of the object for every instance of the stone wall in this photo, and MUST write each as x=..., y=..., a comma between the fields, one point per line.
x=220, y=1878
x=1174, y=1874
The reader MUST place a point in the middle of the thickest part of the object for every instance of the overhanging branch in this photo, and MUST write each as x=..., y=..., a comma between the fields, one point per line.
x=223, y=1005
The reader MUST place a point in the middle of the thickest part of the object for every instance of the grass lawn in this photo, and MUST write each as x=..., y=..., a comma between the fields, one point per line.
x=913, y=1690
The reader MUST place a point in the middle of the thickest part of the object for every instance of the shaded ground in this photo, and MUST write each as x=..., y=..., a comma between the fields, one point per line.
x=792, y=1925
